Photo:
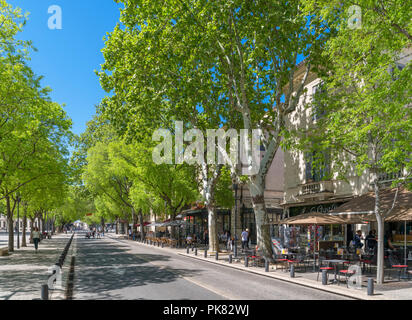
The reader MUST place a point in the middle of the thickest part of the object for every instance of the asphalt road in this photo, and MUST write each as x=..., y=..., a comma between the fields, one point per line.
x=121, y=270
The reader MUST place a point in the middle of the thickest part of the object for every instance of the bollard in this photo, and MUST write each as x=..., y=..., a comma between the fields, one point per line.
x=187, y=250
x=205, y=253
x=324, y=277
x=217, y=255
x=370, y=286
x=193, y=248
x=266, y=265
x=230, y=258
x=292, y=271
x=195, y=251
x=158, y=244
x=162, y=245
x=44, y=292
x=246, y=262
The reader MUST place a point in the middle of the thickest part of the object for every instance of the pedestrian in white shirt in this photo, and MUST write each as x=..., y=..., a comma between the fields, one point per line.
x=36, y=238
x=245, y=236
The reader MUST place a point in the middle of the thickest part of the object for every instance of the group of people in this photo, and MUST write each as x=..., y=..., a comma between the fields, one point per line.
x=371, y=240
x=226, y=237
x=94, y=232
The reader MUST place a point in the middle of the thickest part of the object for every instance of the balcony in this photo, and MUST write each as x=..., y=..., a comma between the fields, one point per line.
x=389, y=177
x=316, y=190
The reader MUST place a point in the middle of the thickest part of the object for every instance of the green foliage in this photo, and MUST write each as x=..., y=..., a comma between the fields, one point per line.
x=367, y=99
x=34, y=131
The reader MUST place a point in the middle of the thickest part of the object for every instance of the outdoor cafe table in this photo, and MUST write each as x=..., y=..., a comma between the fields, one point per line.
x=335, y=263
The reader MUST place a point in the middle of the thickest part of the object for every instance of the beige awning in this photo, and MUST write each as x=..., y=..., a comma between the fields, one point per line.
x=313, y=218
x=404, y=215
x=362, y=207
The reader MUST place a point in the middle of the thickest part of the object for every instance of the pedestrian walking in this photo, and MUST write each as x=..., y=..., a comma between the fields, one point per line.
x=245, y=238
x=206, y=237
x=36, y=238
x=228, y=240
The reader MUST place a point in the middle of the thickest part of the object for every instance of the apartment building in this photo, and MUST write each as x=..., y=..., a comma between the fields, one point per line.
x=307, y=190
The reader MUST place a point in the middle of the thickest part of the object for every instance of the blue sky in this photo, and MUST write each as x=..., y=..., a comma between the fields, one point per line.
x=68, y=57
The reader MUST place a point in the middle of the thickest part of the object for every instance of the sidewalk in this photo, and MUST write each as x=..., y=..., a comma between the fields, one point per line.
x=393, y=290
x=23, y=272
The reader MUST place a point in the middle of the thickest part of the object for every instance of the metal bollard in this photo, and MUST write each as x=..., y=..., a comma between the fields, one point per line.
x=230, y=258
x=195, y=251
x=187, y=250
x=292, y=271
x=246, y=262
x=44, y=292
x=324, y=277
x=266, y=265
x=370, y=286
x=217, y=255
x=205, y=253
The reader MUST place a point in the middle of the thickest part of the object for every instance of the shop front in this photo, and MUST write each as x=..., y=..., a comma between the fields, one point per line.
x=197, y=222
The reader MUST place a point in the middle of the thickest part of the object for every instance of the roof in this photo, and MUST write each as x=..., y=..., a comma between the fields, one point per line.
x=365, y=205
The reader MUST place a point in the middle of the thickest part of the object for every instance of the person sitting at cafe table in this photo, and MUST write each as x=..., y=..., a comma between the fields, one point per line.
x=387, y=241
x=357, y=239
x=371, y=240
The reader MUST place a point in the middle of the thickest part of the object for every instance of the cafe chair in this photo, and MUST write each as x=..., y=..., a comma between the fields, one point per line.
x=326, y=267
x=298, y=261
x=278, y=259
x=396, y=266
x=347, y=273
x=366, y=262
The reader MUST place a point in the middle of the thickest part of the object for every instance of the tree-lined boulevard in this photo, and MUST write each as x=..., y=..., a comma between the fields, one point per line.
x=173, y=72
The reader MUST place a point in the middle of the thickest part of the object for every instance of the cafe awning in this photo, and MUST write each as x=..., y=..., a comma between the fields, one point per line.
x=313, y=218
x=403, y=215
x=362, y=208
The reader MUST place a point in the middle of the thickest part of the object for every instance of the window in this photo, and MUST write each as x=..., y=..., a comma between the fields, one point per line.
x=319, y=109
x=321, y=170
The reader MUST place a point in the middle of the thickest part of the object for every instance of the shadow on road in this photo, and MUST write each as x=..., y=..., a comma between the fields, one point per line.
x=102, y=267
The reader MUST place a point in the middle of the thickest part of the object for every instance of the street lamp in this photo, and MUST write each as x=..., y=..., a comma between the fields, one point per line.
x=18, y=225
x=235, y=186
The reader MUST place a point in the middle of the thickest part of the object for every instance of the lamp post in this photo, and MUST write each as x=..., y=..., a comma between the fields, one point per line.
x=18, y=225
x=235, y=185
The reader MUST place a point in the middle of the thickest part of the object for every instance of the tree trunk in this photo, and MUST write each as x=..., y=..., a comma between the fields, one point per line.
x=23, y=235
x=31, y=230
x=381, y=231
x=42, y=224
x=117, y=225
x=103, y=224
x=212, y=226
x=126, y=228
x=134, y=227
x=10, y=225
x=142, y=234
x=256, y=187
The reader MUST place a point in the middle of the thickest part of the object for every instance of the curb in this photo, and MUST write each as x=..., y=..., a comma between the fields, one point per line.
x=353, y=295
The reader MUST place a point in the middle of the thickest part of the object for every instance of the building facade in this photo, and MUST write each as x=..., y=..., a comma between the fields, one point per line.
x=307, y=190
